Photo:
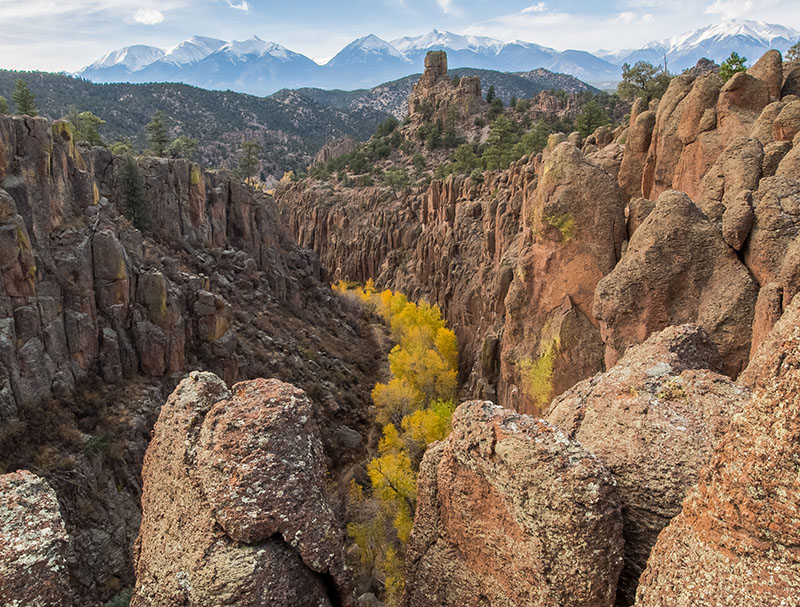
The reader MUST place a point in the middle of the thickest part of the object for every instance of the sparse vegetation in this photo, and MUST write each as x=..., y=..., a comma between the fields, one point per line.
x=537, y=376
x=793, y=54
x=85, y=125
x=182, y=147
x=122, y=598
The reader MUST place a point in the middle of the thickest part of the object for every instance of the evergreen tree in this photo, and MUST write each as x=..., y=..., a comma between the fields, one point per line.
x=732, y=65
x=24, y=99
x=3, y=105
x=592, y=116
x=182, y=147
x=121, y=148
x=85, y=126
x=397, y=178
x=248, y=163
x=491, y=94
x=131, y=185
x=643, y=80
x=157, y=137
x=793, y=54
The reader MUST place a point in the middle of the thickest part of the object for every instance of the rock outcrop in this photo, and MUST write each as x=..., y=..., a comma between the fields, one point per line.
x=512, y=512
x=678, y=269
x=234, y=505
x=436, y=97
x=577, y=231
x=653, y=420
x=33, y=544
x=735, y=541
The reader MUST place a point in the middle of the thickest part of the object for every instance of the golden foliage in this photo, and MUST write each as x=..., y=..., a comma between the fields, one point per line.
x=415, y=407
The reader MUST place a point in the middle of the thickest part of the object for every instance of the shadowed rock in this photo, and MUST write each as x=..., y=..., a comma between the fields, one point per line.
x=736, y=541
x=653, y=419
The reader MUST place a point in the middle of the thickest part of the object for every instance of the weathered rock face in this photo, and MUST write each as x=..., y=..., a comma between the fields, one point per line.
x=735, y=542
x=577, y=230
x=512, y=512
x=99, y=320
x=234, y=505
x=653, y=419
x=636, y=147
x=33, y=544
x=436, y=97
x=334, y=149
x=678, y=269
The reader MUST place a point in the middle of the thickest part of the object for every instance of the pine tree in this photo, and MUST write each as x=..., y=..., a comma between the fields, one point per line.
x=3, y=105
x=131, y=187
x=248, y=163
x=157, y=137
x=182, y=147
x=491, y=94
x=24, y=99
x=732, y=65
x=85, y=125
x=793, y=54
x=643, y=80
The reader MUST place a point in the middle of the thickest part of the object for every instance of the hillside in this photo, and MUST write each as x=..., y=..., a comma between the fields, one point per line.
x=291, y=129
x=392, y=97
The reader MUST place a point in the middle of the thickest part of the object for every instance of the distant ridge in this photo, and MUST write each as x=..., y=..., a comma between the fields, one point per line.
x=258, y=67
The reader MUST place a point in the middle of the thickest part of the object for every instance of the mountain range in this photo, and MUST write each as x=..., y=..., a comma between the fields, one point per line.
x=258, y=67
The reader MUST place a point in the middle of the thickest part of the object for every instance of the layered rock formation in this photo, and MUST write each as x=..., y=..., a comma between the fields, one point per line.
x=33, y=544
x=512, y=512
x=653, y=419
x=735, y=541
x=234, y=502
x=99, y=320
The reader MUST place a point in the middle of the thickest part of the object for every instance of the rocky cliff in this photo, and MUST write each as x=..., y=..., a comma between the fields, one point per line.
x=550, y=270
x=100, y=319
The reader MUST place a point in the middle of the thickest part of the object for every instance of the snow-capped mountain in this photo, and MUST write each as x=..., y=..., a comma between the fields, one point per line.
x=131, y=57
x=259, y=67
x=748, y=38
x=454, y=42
x=366, y=60
x=194, y=49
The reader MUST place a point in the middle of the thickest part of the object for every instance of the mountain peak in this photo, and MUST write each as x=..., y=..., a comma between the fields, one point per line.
x=132, y=57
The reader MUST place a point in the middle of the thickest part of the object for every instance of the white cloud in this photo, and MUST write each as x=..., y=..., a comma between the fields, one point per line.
x=148, y=16
x=730, y=9
x=244, y=5
x=445, y=5
x=535, y=8
x=627, y=17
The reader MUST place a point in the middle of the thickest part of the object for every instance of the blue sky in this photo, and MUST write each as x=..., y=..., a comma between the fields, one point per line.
x=66, y=35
